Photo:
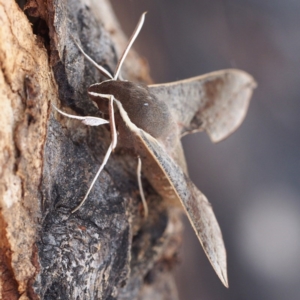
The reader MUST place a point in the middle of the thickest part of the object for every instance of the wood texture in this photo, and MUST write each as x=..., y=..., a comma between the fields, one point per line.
x=106, y=250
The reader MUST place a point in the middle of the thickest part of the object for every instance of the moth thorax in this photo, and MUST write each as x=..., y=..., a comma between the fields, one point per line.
x=142, y=107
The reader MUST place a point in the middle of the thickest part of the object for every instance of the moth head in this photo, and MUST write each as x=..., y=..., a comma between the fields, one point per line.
x=142, y=107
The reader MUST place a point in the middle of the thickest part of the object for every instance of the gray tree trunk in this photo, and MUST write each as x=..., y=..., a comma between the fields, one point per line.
x=107, y=249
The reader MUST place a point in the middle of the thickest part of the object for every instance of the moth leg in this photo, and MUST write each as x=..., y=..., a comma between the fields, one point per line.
x=112, y=123
x=87, y=120
x=100, y=68
x=109, y=150
x=106, y=157
x=131, y=41
x=138, y=172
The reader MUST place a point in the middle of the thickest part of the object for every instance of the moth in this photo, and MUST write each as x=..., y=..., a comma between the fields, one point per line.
x=152, y=119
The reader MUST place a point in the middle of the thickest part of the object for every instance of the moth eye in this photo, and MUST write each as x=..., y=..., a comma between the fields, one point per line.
x=146, y=104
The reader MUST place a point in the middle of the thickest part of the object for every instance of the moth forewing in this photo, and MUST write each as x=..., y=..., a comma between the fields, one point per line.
x=216, y=102
x=170, y=181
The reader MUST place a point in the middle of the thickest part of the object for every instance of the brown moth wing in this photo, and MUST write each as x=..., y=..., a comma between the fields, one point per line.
x=170, y=181
x=216, y=102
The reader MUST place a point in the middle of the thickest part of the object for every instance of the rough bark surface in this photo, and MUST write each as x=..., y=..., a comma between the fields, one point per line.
x=106, y=250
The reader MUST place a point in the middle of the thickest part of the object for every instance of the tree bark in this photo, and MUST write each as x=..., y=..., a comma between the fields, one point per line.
x=107, y=249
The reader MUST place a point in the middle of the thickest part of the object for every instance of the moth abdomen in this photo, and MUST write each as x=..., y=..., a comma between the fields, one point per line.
x=142, y=107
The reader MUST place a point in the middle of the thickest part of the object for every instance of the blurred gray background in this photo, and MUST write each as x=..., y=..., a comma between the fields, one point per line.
x=252, y=178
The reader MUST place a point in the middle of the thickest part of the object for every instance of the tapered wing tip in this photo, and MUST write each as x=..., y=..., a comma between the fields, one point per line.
x=220, y=267
x=224, y=279
x=243, y=75
x=221, y=271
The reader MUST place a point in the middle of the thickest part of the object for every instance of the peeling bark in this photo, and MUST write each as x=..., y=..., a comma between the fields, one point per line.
x=106, y=250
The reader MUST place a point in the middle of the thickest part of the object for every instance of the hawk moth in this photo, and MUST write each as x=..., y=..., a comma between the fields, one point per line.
x=153, y=119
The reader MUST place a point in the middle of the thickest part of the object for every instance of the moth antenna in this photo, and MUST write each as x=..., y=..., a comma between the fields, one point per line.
x=131, y=41
x=138, y=172
x=100, y=68
x=108, y=152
